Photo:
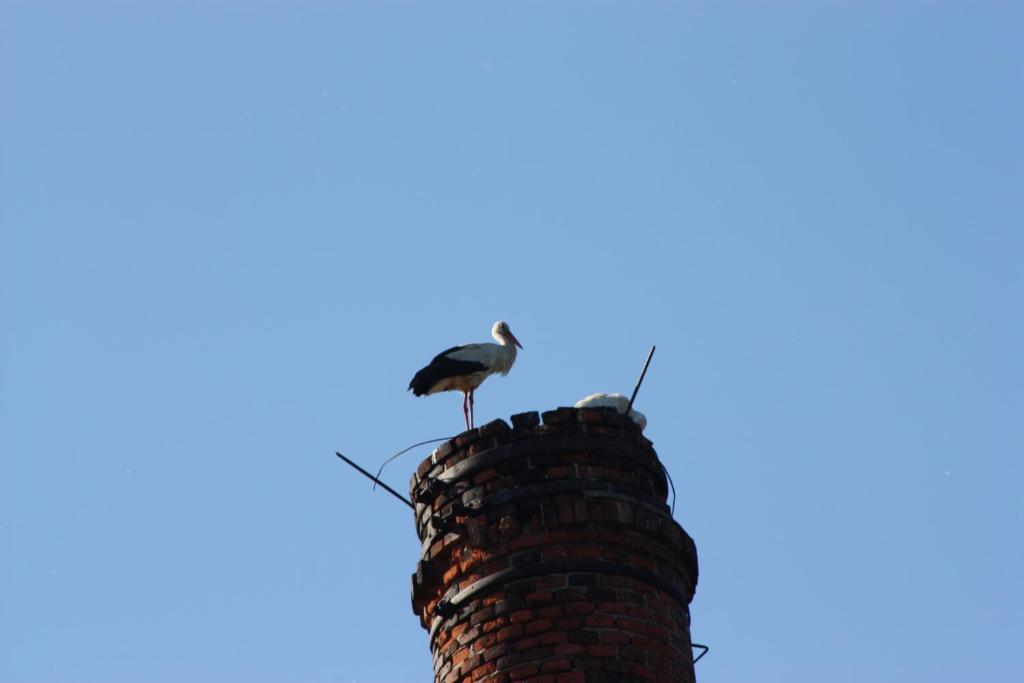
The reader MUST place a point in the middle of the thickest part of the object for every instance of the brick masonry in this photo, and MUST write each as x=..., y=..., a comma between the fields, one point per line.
x=549, y=555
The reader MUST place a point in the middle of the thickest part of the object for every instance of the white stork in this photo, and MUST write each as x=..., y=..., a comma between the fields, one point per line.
x=616, y=401
x=464, y=368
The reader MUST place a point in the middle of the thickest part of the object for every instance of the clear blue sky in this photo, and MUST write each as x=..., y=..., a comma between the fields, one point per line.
x=232, y=231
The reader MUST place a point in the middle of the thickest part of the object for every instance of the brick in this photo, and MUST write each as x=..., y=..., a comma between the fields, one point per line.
x=525, y=420
x=614, y=638
x=583, y=637
x=642, y=613
x=424, y=467
x=580, y=608
x=510, y=633
x=508, y=661
x=537, y=653
x=633, y=654
x=538, y=626
x=583, y=580
x=492, y=625
x=591, y=416
x=571, y=677
x=550, y=612
x=553, y=638
x=561, y=472
x=599, y=621
x=558, y=416
x=556, y=665
x=526, y=643
x=630, y=625
x=523, y=671
x=643, y=671
x=521, y=616
x=569, y=624
x=550, y=582
x=495, y=651
x=484, y=670
x=495, y=428
x=601, y=594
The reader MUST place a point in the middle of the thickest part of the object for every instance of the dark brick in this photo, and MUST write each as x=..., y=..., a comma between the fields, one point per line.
x=496, y=428
x=556, y=665
x=526, y=420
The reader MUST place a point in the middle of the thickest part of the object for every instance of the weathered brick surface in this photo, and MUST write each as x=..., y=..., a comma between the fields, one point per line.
x=548, y=554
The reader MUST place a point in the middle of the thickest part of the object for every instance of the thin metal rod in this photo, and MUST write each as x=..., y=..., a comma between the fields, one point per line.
x=704, y=647
x=640, y=381
x=672, y=484
x=406, y=450
x=384, y=486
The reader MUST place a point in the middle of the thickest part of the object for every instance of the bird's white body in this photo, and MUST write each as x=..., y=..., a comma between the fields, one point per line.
x=464, y=368
x=495, y=359
x=616, y=401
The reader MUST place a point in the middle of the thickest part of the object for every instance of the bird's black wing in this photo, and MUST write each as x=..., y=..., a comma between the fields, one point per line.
x=441, y=368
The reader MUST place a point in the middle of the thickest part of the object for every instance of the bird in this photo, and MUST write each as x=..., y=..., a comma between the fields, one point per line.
x=617, y=401
x=464, y=368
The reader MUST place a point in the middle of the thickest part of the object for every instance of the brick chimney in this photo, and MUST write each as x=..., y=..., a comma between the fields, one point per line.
x=549, y=555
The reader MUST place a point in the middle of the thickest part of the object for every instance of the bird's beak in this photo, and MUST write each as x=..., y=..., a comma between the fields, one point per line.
x=514, y=340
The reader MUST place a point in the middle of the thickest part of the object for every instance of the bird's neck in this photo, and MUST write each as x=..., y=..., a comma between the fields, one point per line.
x=506, y=342
x=508, y=349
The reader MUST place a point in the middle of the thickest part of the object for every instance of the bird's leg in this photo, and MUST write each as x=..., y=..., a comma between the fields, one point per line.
x=471, y=422
x=465, y=408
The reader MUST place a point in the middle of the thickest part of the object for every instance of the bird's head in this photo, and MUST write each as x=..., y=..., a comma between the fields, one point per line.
x=501, y=332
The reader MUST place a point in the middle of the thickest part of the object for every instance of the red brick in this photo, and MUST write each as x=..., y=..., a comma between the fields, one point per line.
x=526, y=643
x=599, y=621
x=615, y=637
x=484, y=670
x=586, y=551
x=539, y=625
x=630, y=625
x=657, y=632
x=555, y=553
x=642, y=613
x=579, y=608
x=556, y=665
x=523, y=671
x=493, y=624
x=521, y=616
x=539, y=596
x=571, y=677
x=510, y=633
x=612, y=607
x=550, y=581
x=496, y=651
x=553, y=638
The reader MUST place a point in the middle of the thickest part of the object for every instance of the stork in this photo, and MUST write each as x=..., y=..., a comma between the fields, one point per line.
x=464, y=368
